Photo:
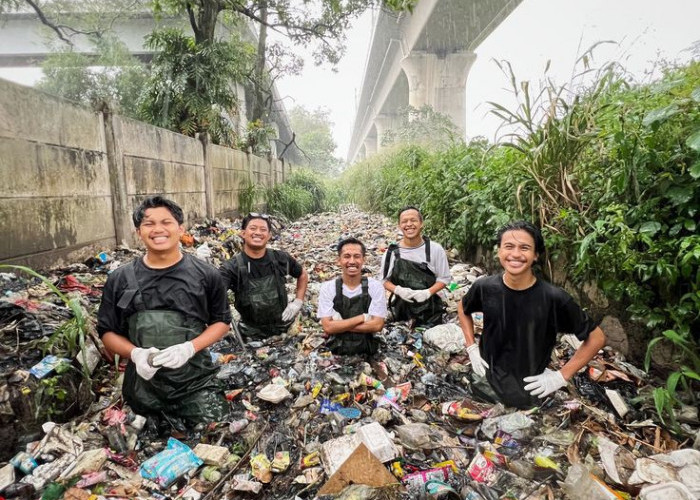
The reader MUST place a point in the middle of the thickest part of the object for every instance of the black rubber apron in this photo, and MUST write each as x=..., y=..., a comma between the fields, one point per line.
x=409, y=274
x=348, y=343
x=261, y=302
x=191, y=392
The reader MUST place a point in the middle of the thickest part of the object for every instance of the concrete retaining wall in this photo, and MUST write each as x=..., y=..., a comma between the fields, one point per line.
x=71, y=176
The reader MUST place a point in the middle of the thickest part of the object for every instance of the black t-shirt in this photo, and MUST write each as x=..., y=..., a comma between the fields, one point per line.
x=191, y=287
x=521, y=326
x=259, y=268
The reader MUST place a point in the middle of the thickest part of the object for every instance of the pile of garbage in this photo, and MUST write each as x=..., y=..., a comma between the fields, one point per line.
x=307, y=424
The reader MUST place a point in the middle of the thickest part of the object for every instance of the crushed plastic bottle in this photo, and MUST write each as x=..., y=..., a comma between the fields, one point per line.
x=582, y=485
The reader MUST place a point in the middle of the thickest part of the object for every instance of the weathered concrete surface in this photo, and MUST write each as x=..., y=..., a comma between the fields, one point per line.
x=422, y=58
x=72, y=176
x=55, y=194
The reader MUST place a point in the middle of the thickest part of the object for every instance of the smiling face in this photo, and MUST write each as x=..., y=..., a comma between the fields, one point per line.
x=516, y=252
x=160, y=231
x=256, y=234
x=351, y=260
x=410, y=224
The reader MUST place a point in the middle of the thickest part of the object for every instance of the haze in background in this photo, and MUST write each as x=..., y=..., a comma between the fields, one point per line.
x=536, y=31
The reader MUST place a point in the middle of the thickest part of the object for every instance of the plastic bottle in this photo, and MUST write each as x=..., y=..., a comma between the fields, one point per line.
x=238, y=425
x=582, y=485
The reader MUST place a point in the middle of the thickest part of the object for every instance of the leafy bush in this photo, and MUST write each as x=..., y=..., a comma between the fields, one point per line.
x=611, y=173
x=302, y=193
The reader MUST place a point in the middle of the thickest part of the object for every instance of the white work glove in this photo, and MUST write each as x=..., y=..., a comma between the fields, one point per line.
x=139, y=357
x=175, y=356
x=405, y=293
x=421, y=295
x=203, y=252
x=292, y=310
x=478, y=364
x=336, y=316
x=545, y=383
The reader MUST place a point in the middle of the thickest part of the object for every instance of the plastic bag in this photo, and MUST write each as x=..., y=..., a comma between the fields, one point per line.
x=174, y=461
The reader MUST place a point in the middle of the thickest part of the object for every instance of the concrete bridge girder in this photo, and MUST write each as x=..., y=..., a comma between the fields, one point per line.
x=432, y=51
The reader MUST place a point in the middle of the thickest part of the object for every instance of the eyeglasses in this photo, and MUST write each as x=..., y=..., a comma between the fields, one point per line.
x=256, y=215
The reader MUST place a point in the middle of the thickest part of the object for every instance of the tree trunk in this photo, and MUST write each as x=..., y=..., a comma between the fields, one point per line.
x=259, y=101
x=206, y=20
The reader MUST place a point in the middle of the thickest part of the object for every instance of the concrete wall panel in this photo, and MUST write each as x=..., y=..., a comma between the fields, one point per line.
x=43, y=224
x=154, y=176
x=35, y=116
x=30, y=169
x=146, y=141
x=63, y=166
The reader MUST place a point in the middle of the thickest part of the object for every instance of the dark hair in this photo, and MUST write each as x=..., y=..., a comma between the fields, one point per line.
x=411, y=207
x=351, y=241
x=528, y=227
x=156, y=202
x=255, y=215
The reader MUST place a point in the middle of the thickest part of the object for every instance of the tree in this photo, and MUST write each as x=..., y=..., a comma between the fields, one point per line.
x=321, y=23
x=314, y=138
x=113, y=77
x=423, y=126
x=190, y=89
x=95, y=17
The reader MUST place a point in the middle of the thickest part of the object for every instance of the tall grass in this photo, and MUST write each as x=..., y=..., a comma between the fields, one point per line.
x=610, y=171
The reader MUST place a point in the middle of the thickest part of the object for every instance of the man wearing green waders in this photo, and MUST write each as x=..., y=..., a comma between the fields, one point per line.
x=415, y=270
x=162, y=312
x=257, y=277
x=352, y=307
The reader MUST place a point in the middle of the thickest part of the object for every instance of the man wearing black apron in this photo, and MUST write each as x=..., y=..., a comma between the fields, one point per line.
x=522, y=316
x=257, y=277
x=414, y=271
x=352, y=307
x=162, y=312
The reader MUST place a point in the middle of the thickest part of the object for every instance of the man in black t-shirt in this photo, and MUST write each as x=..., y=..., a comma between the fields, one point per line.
x=522, y=317
x=257, y=277
x=162, y=312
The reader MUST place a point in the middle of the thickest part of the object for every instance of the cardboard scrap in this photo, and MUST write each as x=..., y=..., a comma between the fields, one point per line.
x=618, y=403
x=336, y=451
x=361, y=467
x=76, y=494
x=88, y=461
x=212, y=455
x=7, y=476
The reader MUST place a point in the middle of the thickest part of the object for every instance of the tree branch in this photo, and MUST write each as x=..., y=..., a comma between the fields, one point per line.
x=193, y=21
x=48, y=23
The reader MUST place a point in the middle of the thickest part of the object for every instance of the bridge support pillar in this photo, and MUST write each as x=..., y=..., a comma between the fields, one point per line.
x=439, y=82
x=370, y=146
x=383, y=123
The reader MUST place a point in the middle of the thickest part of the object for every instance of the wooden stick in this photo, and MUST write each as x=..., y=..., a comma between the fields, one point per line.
x=235, y=467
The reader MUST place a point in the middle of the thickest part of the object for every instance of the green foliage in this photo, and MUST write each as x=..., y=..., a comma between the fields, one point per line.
x=69, y=338
x=302, y=193
x=257, y=138
x=190, y=90
x=314, y=138
x=249, y=196
x=610, y=172
x=113, y=77
x=665, y=398
x=50, y=395
x=423, y=127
